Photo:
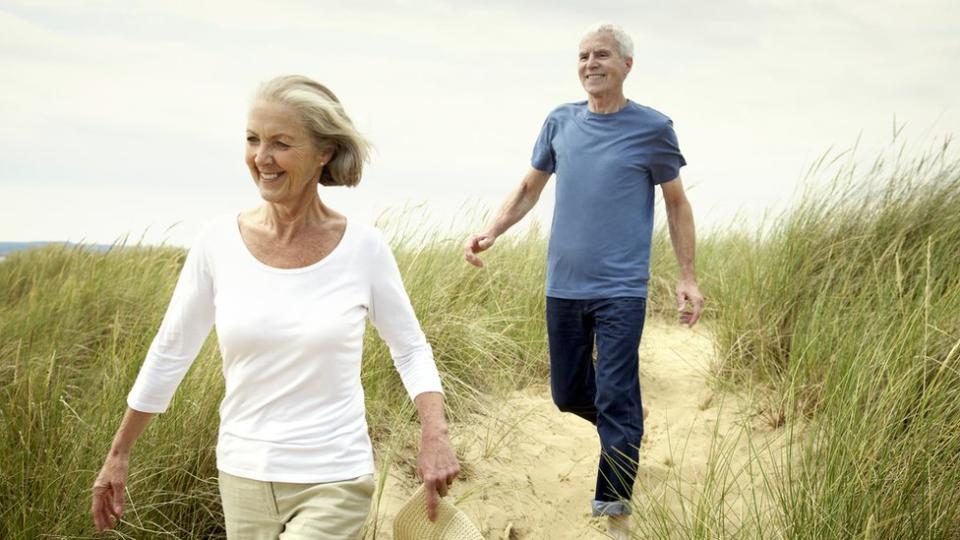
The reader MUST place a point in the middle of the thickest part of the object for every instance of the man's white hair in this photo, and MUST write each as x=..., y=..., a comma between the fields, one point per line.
x=624, y=43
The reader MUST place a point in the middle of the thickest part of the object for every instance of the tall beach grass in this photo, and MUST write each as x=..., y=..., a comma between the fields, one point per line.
x=865, y=342
x=841, y=315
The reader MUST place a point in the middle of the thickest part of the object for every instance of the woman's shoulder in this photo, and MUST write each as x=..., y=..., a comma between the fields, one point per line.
x=214, y=231
x=365, y=233
x=369, y=241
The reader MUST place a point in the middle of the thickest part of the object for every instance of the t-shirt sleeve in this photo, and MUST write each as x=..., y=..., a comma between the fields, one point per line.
x=544, y=158
x=666, y=159
x=185, y=327
x=392, y=314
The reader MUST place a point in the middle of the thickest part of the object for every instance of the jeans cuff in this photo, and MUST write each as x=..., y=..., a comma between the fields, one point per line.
x=610, y=508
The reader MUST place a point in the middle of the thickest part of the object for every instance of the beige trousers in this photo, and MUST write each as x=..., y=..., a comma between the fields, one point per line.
x=256, y=510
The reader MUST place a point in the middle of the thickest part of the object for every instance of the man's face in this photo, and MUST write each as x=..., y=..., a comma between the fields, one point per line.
x=602, y=70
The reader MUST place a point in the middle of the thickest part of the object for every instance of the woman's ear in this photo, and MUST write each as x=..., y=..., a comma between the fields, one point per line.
x=327, y=150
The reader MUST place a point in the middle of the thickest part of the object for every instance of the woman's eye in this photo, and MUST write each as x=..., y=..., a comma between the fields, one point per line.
x=283, y=144
x=253, y=140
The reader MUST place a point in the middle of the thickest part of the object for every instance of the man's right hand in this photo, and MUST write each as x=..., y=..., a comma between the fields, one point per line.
x=108, y=492
x=475, y=244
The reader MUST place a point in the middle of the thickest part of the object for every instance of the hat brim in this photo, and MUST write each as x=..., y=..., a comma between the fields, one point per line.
x=412, y=523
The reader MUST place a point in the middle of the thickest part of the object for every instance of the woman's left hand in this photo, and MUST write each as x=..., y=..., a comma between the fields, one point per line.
x=437, y=465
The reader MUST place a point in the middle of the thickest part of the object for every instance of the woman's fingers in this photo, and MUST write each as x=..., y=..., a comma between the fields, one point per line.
x=442, y=487
x=109, y=494
x=118, y=498
x=433, y=498
x=101, y=508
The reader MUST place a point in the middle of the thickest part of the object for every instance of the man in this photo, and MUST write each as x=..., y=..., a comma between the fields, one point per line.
x=608, y=154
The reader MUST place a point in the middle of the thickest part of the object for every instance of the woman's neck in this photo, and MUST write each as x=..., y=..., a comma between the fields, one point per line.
x=284, y=222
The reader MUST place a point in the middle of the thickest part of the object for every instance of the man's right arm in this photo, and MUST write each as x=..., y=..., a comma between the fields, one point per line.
x=516, y=206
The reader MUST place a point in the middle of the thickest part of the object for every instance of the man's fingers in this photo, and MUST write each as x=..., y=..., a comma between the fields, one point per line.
x=690, y=316
x=682, y=308
x=474, y=260
x=475, y=244
x=469, y=252
x=697, y=312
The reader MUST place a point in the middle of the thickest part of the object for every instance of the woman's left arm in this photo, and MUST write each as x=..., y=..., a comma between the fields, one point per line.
x=437, y=463
x=392, y=314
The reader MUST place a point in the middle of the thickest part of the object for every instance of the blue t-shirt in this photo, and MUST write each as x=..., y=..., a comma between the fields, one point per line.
x=607, y=166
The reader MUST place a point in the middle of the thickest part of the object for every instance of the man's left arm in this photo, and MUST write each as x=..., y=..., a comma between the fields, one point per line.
x=684, y=239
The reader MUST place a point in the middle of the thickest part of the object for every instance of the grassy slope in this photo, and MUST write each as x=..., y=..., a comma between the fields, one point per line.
x=845, y=311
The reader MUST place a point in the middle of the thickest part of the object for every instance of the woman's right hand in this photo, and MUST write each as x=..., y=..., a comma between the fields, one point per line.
x=108, y=492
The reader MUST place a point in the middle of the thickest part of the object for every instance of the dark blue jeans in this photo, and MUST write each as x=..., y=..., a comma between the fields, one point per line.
x=605, y=392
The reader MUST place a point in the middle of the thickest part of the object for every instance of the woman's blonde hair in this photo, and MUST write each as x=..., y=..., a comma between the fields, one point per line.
x=327, y=122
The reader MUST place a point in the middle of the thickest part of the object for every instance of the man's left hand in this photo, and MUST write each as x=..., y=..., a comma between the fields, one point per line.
x=437, y=465
x=689, y=301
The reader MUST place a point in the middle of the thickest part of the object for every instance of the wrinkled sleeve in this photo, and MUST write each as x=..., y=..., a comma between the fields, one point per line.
x=185, y=327
x=544, y=157
x=666, y=159
x=391, y=313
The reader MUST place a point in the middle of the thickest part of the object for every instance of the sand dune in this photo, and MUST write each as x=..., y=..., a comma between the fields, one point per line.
x=529, y=470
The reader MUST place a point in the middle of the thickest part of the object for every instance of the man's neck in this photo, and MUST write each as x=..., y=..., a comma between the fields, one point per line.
x=606, y=104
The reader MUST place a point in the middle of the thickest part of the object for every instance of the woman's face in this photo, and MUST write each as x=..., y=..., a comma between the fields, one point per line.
x=280, y=153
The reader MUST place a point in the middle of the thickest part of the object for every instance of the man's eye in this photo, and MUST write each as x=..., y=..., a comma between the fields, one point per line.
x=282, y=144
x=253, y=140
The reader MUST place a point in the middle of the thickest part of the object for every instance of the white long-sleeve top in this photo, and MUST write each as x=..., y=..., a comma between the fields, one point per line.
x=291, y=342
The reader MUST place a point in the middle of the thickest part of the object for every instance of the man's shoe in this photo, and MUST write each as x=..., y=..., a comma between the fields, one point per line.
x=618, y=527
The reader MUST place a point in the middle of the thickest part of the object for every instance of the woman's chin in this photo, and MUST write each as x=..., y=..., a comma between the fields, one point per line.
x=271, y=193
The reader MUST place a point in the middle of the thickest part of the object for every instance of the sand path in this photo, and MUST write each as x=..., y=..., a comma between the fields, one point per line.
x=529, y=470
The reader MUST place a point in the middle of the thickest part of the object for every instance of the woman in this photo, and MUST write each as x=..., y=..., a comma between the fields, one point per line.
x=289, y=285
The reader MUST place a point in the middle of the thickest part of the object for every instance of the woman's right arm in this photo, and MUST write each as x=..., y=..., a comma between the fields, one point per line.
x=108, y=489
x=185, y=327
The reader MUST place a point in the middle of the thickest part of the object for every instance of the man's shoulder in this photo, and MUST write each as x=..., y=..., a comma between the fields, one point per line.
x=649, y=115
x=573, y=106
x=568, y=110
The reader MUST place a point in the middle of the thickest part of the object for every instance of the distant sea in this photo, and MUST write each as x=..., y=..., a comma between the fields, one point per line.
x=7, y=248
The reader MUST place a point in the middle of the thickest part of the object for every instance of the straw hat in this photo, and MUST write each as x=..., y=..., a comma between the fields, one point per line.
x=412, y=523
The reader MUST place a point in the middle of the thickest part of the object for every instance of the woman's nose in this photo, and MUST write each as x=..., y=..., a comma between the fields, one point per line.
x=262, y=157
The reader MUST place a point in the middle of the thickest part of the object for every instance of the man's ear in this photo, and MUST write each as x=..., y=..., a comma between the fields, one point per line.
x=629, y=62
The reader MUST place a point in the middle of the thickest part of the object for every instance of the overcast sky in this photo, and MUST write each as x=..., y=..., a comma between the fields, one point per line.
x=128, y=116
